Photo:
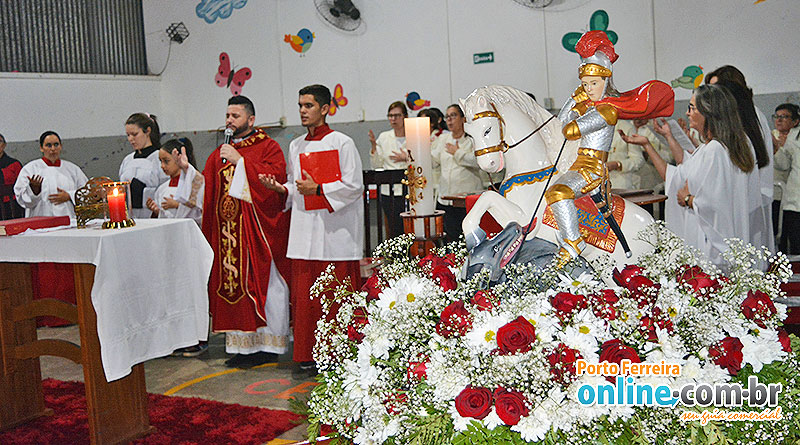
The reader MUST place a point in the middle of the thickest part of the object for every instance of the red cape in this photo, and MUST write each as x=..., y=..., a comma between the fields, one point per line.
x=245, y=237
x=651, y=100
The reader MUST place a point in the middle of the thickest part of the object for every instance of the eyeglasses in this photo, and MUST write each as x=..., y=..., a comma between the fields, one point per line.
x=781, y=117
x=394, y=115
x=692, y=108
x=452, y=116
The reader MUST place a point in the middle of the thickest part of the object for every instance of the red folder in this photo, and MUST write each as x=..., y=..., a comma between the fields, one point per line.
x=323, y=166
x=14, y=226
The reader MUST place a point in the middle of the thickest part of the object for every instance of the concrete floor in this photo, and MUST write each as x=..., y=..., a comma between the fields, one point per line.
x=268, y=386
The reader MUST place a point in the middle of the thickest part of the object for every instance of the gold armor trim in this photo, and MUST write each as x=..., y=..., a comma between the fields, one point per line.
x=558, y=192
x=593, y=69
x=591, y=162
x=502, y=146
x=592, y=153
x=571, y=131
x=609, y=113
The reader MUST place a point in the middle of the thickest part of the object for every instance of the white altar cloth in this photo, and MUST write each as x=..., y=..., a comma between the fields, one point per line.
x=150, y=288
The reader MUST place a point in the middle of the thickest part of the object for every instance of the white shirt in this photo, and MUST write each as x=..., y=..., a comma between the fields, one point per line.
x=460, y=171
x=727, y=202
x=386, y=145
x=148, y=170
x=787, y=159
x=189, y=194
x=68, y=177
x=630, y=157
x=320, y=234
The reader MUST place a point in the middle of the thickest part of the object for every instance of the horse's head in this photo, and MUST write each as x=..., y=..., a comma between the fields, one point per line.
x=485, y=125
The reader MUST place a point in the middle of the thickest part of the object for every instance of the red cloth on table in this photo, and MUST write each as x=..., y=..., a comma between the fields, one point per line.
x=245, y=236
x=306, y=311
x=53, y=280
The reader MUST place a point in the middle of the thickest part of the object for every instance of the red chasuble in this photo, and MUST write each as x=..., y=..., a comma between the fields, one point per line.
x=245, y=237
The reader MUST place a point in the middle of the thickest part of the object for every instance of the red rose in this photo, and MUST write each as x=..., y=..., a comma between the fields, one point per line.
x=643, y=290
x=702, y=284
x=567, y=304
x=604, y=304
x=614, y=351
x=786, y=342
x=394, y=402
x=484, y=300
x=354, y=335
x=373, y=287
x=516, y=336
x=435, y=261
x=510, y=405
x=455, y=320
x=727, y=354
x=659, y=319
x=758, y=307
x=562, y=363
x=445, y=278
x=622, y=277
x=474, y=402
x=417, y=370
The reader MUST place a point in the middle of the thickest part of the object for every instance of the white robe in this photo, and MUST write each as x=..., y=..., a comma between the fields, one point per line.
x=386, y=145
x=148, y=170
x=727, y=202
x=766, y=180
x=68, y=177
x=188, y=193
x=460, y=171
x=320, y=234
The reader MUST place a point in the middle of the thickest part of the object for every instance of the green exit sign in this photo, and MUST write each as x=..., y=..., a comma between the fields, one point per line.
x=483, y=58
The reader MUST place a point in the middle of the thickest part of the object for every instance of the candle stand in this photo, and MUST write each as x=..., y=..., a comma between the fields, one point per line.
x=118, y=197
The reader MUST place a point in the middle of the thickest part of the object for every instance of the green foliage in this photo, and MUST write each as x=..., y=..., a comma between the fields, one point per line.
x=477, y=434
x=432, y=430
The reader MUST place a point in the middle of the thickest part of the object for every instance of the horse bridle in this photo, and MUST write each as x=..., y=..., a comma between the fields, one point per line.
x=502, y=146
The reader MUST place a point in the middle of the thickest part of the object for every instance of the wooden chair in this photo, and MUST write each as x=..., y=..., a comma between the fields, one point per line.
x=378, y=178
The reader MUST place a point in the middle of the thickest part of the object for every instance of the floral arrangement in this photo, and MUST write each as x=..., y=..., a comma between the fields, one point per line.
x=418, y=356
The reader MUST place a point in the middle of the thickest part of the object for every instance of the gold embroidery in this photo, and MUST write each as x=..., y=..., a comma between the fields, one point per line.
x=251, y=340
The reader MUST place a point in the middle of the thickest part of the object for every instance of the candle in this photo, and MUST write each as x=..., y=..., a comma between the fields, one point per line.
x=418, y=142
x=116, y=206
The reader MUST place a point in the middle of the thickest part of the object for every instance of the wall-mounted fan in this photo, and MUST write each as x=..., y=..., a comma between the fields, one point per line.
x=538, y=4
x=342, y=14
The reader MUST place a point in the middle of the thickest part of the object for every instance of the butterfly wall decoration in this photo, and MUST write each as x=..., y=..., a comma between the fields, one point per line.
x=230, y=77
x=338, y=100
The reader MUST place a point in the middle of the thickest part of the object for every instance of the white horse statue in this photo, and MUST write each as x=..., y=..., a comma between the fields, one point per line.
x=511, y=130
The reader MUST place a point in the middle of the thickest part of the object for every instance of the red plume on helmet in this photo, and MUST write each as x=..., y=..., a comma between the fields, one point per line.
x=594, y=41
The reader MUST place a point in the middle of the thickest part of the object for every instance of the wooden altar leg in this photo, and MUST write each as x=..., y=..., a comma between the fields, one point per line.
x=117, y=410
x=21, y=396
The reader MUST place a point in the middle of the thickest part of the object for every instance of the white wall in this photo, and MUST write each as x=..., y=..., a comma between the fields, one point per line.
x=410, y=45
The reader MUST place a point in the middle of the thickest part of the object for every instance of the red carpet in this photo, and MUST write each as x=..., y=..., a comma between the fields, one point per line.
x=178, y=420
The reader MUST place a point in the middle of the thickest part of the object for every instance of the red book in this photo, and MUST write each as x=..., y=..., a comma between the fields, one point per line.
x=14, y=226
x=323, y=166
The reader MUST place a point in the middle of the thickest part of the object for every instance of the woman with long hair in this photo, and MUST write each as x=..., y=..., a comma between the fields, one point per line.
x=142, y=167
x=711, y=194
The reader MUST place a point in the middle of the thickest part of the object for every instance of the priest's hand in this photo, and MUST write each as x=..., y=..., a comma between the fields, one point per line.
x=306, y=186
x=231, y=154
x=181, y=158
x=36, y=184
x=152, y=206
x=58, y=198
x=169, y=203
x=271, y=183
x=450, y=148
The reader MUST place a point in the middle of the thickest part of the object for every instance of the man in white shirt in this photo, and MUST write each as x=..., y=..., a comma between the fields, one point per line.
x=319, y=235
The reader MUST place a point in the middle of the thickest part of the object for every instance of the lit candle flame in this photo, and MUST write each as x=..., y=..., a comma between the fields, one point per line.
x=116, y=191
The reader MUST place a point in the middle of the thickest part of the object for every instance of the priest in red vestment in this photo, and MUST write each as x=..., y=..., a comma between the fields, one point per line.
x=248, y=230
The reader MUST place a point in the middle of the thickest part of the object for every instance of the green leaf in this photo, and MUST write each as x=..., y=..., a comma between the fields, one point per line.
x=569, y=41
x=599, y=21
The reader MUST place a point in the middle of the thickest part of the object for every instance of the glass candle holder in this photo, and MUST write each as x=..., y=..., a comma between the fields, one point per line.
x=118, y=210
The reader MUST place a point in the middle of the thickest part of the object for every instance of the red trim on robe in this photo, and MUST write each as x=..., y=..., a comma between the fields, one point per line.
x=10, y=173
x=651, y=100
x=173, y=181
x=245, y=237
x=52, y=164
x=318, y=133
x=307, y=311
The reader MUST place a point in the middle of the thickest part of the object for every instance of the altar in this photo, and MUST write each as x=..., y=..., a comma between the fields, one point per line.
x=141, y=293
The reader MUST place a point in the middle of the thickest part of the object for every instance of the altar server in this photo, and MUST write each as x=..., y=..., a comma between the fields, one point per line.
x=177, y=162
x=327, y=214
x=46, y=186
x=142, y=167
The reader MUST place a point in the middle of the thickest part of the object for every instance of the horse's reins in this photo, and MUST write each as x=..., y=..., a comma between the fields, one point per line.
x=502, y=146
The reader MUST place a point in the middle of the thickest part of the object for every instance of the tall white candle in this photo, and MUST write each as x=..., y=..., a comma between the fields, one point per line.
x=418, y=142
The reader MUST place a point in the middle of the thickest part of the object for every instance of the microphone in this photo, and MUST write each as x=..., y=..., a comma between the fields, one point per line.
x=228, y=137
